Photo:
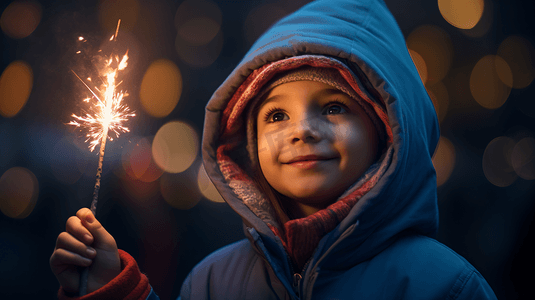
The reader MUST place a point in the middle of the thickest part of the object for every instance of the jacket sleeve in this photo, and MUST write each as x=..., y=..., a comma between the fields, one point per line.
x=471, y=285
x=129, y=284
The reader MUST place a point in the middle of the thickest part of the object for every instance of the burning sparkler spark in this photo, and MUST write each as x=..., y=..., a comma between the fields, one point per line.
x=109, y=112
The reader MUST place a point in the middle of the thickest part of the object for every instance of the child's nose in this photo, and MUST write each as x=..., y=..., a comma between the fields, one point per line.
x=306, y=130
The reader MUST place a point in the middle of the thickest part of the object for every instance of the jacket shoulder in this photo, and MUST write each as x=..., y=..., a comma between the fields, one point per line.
x=226, y=260
x=427, y=264
x=429, y=253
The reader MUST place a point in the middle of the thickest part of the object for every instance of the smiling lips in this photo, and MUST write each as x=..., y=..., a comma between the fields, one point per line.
x=307, y=161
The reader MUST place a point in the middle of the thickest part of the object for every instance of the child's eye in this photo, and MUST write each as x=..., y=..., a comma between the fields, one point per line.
x=278, y=117
x=275, y=115
x=334, y=109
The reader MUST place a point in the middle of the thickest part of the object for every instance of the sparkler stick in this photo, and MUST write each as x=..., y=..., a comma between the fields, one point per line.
x=109, y=115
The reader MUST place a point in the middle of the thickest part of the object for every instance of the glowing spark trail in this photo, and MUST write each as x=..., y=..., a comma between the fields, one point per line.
x=106, y=116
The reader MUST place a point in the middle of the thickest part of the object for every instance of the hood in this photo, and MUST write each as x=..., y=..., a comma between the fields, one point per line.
x=366, y=38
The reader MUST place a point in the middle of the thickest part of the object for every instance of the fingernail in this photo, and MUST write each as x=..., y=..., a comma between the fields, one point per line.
x=87, y=237
x=89, y=218
x=91, y=251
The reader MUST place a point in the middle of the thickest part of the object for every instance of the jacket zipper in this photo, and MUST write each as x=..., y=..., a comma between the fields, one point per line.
x=297, y=277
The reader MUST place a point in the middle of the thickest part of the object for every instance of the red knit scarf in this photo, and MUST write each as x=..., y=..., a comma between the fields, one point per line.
x=301, y=236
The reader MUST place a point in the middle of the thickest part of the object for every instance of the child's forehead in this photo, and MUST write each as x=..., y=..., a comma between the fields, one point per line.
x=300, y=90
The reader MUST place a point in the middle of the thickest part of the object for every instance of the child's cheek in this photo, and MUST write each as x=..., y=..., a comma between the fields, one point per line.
x=276, y=141
x=263, y=147
x=344, y=132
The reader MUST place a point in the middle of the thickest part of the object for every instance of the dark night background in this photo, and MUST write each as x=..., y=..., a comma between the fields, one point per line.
x=486, y=208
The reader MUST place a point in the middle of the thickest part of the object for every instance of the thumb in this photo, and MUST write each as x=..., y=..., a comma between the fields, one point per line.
x=101, y=237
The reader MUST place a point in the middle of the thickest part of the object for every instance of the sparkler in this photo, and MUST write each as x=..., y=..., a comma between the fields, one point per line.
x=106, y=116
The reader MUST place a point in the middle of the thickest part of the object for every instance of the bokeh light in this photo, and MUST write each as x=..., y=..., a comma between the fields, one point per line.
x=444, y=160
x=463, y=14
x=497, y=164
x=179, y=191
x=161, y=88
x=199, y=37
x=138, y=162
x=175, y=146
x=139, y=192
x=198, y=21
x=20, y=18
x=206, y=186
x=15, y=87
x=490, y=81
x=419, y=62
x=485, y=22
x=519, y=54
x=523, y=158
x=19, y=190
x=434, y=45
x=440, y=97
x=111, y=11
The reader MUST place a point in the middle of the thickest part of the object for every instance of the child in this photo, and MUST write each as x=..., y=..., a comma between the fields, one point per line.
x=321, y=140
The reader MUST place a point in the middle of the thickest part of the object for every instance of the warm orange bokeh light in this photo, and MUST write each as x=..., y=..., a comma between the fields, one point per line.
x=485, y=22
x=519, y=54
x=15, y=87
x=433, y=44
x=444, y=160
x=206, y=186
x=20, y=18
x=161, y=88
x=463, y=14
x=175, y=147
x=497, y=165
x=19, y=190
x=490, y=81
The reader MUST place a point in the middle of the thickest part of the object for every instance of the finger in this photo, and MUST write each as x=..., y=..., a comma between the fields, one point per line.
x=70, y=243
x=75, y=227
x=101, y=237
x=62, y=259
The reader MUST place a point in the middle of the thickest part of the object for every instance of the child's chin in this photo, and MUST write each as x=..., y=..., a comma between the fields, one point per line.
x=313, y=198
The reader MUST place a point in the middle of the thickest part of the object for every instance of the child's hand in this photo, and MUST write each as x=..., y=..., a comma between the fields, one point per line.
x=85, y=243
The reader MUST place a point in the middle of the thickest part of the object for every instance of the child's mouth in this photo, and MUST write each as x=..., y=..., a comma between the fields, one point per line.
x=308, y=161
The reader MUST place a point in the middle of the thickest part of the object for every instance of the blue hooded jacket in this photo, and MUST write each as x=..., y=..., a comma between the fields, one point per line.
x=384, y=248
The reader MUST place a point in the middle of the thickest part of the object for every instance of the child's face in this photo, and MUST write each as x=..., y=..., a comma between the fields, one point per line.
x=314, y=141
